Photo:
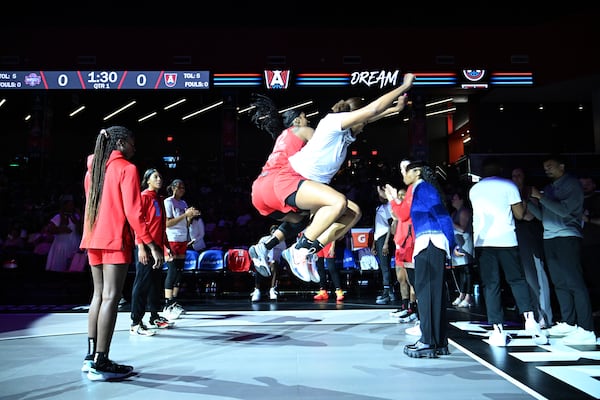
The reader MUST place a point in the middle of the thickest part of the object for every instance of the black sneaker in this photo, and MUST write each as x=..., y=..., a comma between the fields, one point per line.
x=108, y=370
x=383, y=299
x=419, y=350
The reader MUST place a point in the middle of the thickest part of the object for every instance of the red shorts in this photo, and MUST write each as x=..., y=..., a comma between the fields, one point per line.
x=324, y=252
x=269, y=191
x=101, y=256
x=178, y=248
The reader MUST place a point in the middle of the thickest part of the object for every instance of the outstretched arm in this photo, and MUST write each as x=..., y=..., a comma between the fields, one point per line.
x=379, y=106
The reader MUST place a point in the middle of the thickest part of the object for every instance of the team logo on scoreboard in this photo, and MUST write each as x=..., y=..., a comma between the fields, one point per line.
x=474, y=75
x=33, y=79
x=276, y=79
x=170, y=79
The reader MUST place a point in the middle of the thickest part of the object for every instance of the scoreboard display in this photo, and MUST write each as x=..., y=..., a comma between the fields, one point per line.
x=104, y=80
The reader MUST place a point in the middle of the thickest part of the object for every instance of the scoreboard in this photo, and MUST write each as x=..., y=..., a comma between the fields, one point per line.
x=104, y=80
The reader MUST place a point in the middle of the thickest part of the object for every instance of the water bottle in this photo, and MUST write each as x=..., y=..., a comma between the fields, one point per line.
x=476, y=290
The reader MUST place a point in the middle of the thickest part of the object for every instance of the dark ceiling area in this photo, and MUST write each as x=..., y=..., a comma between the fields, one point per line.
x=557, y=45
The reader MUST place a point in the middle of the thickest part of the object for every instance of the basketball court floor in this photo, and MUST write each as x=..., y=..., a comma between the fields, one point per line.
x=293, y=348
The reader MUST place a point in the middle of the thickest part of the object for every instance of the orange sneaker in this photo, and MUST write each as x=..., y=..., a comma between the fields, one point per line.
x=339, y=295
x=322, y=295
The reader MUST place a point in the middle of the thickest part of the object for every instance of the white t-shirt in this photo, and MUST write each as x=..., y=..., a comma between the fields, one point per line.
x=323, y=155
x=175, y=208
x=493, y=220
x=382, y=220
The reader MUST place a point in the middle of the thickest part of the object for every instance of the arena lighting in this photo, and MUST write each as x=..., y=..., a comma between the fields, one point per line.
x=202, y=110
x=448, y=100
x=296, y=106
x=178, y=102
x=243, y=110
x=448, y=110
x=2, y=102
x=306, y=103
x=27, y=117
x=152, y=114
x=467, y=139
x=77, y=111
x=125, y=107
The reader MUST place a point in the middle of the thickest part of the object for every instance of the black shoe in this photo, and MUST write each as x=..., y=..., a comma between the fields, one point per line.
x=442, y=351
x=384, y=298
x=392, y=296
x=108, y=370
x=419, y=350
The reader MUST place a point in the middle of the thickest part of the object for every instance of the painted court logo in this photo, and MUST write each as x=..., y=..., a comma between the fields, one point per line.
x=277, y=79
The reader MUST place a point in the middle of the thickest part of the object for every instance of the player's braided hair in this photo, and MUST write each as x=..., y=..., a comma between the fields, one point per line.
x=265, y=116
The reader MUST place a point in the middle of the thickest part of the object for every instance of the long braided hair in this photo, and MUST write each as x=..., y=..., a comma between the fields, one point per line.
x=107, y=140
x=265, y=116
x=429, y=175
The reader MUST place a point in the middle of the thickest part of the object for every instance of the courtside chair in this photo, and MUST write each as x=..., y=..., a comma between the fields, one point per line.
x=210, y=270
x=239, y=272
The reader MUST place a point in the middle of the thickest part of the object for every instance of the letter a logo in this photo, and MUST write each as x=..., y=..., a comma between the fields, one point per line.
x=276, y=79
x=170, y=79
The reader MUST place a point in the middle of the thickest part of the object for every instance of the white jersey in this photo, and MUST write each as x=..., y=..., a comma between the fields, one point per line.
x=493, y=220
x=325, y=152
x=175, y=208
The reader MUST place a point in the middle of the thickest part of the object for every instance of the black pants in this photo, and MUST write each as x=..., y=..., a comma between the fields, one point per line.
x=147, y=291
x=333, y=271
x=430, y=288
x=490, y=260
x=385, y=261
x=563, y=257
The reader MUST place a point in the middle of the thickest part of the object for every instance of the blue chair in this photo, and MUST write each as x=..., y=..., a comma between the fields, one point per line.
x=211, y=261
x=191, y=261
x=210, y=270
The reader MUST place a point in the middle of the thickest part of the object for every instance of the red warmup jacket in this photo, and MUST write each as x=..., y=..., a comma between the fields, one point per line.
x=120, y=212
x=153, y=209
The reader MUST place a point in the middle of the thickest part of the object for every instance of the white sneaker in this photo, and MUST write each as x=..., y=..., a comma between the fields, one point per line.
x=87, y=363
x=140, y=330
x=255, y=295
x=533, y=328
x=259, y=255
x=561, y=329
x=297, y=260
x=580, y=336
x=312, y=268
x=414, y=330
x=171, y=313
x=177, y=307
x=412, y=317
x=499, y=339
x=398, y=313
x=273, y=293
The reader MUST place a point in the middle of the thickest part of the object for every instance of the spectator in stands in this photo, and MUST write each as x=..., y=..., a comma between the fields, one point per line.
x=66, y=227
